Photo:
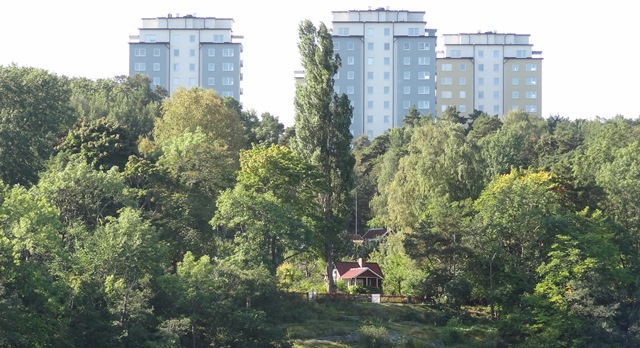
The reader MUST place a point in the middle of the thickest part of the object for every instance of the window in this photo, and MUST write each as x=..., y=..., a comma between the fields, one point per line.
x=423, y=75
x=192, y=81
x=406, y=104
x=387, y=75
x=462, y=81
x=218, y=38
x=514, y=95
x=156, y=81
x=350, y=46
x=496, y=95
x=446, y=95
x=480, y=81
x=176, y=81
x=462, y=108
x=211, y=52
x=496, y=54
x=496, y=109
x=343, y=31
x=480, y=53
x=370, y=31
x=514, y=107
x=192, y=38
x=387, y=119
x=139, y=67
x=336, y=89
x=455, y=53
x=176, y=67
x=406, y=46
x=386, y=89
x=228, y=52
x=531, y=95
x=336, y=76
x=387, y=46
x=515, y=81
x=369, y=119
x=349, y=89
x=150, y=38
x=369, y=90
x=531, y=81
x=480, y=94
x=227, y=94
x=369, y=60
x=406, y=75
x=480, y=67
x=140, y=52
x=192, y=67
x=446, y=67
x=406, y=90
x=387, y=31
x=443, y=107
x=370, y=134
x=463, y=94
x=211, y=67
x=227, y=66
x=350, y=60
x=532, y=67
x=423, y=104
x=350, y=75
x=496, y=81
x=227, y=81
x=423, y=46
x=370, y=46
x=156, y=66
x=192, y=53
x=406, y=60
x=447, y=81
x=496, y=67
x=481, y=107
x=521, y=53
x=463, y=67
x=369, y=75
x=387, y=61
x=211, y=81
x=176, y=38
x=515, y=67
x=156, y=52
x=336, y=46
x=414, y=31
x=531, y=108
x=424, y=61
x=370, y=104
x=424, y=90
x=386, y=104
x=176, y=53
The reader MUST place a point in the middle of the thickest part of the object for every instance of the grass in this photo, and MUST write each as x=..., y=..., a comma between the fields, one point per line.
x=340, y=323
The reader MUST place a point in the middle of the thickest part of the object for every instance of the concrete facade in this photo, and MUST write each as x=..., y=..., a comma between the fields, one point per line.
x=490, y=72
x=188, y=51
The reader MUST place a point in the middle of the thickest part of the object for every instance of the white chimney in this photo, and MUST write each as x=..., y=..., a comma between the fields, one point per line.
x=360, y=262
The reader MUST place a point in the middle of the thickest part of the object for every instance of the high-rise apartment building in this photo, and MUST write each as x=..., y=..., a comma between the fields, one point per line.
x=388, y=65
x=188, y=51
x=489, y=72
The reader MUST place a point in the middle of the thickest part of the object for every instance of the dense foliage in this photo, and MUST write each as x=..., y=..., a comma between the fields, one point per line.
x=136, y=219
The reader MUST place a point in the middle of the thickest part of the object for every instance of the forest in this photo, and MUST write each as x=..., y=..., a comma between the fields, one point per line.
x=131, y=218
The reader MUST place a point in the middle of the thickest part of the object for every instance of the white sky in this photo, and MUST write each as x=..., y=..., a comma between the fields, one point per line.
x=590, y=49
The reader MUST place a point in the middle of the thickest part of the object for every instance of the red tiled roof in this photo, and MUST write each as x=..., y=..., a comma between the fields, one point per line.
x=344, y=267
x=360, y=273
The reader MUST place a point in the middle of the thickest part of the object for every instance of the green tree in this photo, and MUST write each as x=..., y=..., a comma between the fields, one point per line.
x=103, y=142
x=34, y=111
x=322, y=133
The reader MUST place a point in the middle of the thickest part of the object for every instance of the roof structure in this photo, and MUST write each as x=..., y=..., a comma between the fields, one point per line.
x=344, y=267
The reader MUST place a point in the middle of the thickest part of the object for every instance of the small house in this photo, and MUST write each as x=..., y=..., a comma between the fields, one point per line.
x=365, y=274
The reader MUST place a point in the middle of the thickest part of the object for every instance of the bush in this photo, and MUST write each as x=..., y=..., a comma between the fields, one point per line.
x=374, y=337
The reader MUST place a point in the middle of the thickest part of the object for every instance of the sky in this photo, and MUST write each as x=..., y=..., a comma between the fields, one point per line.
x=589, y=48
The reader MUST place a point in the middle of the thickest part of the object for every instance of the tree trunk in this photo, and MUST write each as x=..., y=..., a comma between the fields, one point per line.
x=329, y=259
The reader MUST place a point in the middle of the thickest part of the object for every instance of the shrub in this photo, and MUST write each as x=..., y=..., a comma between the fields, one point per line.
x=374, y=337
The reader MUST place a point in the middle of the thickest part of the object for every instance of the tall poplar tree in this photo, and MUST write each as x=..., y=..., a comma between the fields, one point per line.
x=322, y=120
